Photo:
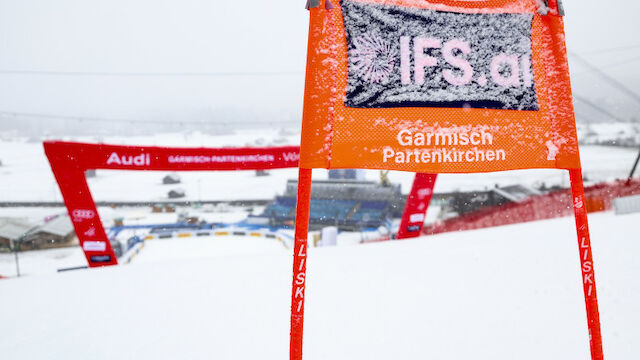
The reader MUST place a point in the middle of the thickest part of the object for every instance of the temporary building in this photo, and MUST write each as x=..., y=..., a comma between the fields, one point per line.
x=12, y=229
x=51, y=234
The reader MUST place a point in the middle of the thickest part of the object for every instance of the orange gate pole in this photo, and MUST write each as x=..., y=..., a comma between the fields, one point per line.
x=300, y=263
x=586, y=261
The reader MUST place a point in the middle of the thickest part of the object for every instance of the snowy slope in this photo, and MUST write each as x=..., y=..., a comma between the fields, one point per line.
x=42, y=261
x=512, y=292
x=158, y=251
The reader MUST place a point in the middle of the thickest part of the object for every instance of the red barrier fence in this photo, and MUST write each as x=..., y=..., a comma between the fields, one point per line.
x=599, y=197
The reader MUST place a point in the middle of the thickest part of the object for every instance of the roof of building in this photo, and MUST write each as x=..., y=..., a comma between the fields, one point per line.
x=6, y=219
x=13, y=229
x=346, y=189
x=60, y=226
x=516, y=193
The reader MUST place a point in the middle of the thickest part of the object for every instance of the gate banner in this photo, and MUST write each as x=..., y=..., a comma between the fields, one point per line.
x=437, y=87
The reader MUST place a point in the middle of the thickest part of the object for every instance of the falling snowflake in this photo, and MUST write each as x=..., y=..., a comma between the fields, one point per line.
x=373, y=58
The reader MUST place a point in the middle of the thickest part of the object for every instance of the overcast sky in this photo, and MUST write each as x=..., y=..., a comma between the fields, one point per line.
x=240, y=59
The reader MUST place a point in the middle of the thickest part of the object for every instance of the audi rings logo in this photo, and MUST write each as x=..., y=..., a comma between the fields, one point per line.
x=423, y=193
x=82, y=214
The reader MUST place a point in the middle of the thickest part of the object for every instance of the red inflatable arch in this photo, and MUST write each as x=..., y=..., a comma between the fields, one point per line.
x=70, y=160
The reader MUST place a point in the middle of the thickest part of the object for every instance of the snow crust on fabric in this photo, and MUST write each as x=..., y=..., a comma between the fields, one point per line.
x=493, y=72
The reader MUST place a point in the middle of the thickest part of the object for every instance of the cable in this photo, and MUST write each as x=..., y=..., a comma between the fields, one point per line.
x=580, y=115
x=621, y=48
x=620, y=87
x=634, y=59
x=615, y=83
x=598, y=108
x=146, y=74
x=226, y=74
x=132, y=121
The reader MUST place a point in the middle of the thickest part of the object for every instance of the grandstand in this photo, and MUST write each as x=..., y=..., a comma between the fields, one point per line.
x=347, y=204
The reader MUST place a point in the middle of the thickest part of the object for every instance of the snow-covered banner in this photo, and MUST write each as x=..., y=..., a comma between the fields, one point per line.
x=438, y=86
x=408, y=57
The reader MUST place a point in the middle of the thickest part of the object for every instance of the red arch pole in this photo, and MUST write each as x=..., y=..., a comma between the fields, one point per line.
x=586, y=261
x=417, y=205
x=68, y=164
x=70, y=160
x=300, y=263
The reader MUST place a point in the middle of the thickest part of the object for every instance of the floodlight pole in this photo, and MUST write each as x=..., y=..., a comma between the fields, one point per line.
x=16, y=247
x=633, y=169
x=15, y=252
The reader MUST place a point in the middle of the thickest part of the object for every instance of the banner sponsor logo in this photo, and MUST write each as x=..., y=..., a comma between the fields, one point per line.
x=447, y=145
x=291, y=156
x=100, y=258
x=94, y=246
x=300, y=277
x=587, y=266
x=205, y=159
x=577, y=202
x=80, y=215
x=91, y=232
x=418, y=217
x=139, y=160
x=409, y=57
x=423, y=193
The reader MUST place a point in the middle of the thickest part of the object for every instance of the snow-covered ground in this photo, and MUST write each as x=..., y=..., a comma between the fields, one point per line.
x=159, y=251
x=613, y=133
x=41, y=262
x=26, y=176
x=511, y=292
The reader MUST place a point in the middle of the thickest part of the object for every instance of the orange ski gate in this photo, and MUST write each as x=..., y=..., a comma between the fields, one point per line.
x=437, y=86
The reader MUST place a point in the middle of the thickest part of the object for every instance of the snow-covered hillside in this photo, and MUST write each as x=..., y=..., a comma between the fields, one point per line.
x=26, y=176
x=505, y=293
